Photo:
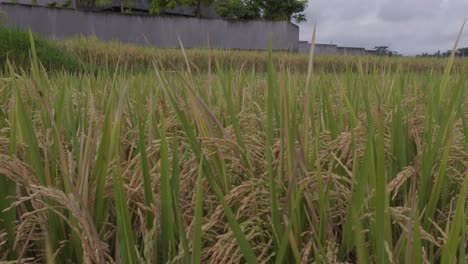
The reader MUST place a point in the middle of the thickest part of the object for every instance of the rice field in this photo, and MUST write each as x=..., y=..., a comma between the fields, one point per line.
x=95, y=52
x=234, y=164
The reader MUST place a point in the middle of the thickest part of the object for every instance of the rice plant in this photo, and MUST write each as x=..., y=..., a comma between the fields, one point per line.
x=233, y=164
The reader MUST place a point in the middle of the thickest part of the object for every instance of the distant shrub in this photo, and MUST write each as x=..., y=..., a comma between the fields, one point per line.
x=15, y=46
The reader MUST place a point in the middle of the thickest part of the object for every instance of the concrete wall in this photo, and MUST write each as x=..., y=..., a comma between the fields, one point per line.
x=153, y=30
x=303, y=47
x=326, y=49
x=351, y=50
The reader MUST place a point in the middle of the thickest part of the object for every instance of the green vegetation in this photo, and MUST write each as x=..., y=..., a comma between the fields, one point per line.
x=461, y=52
x=238, y=9
x=110, y=54
x=89, y=53
x=233, y=164
x=273, y=10
x=15, y=46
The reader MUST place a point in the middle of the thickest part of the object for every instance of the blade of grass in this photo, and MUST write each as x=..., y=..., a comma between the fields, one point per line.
x=455, y=235
x=270, y=130
x=167, y=214
x=148, y=190
x=197, y=226
x=175, y=194
x=126, y=240
x=196, y=148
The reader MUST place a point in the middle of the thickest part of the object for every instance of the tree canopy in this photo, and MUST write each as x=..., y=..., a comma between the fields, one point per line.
x=197, y=4
x=238, y=9
x=385, y=51
x=275, y=10
x=157, y=6
x=460, y=52
x=283, y=9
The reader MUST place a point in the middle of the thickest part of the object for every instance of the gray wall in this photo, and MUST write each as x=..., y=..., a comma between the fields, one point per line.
x=326, y=49
x=303, y=47
x=351, y=50
x=153, y=30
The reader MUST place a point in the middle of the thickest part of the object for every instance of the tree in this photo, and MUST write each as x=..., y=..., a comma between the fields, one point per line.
x=384, y=51
x=157, y=7
x=381, y=50
x=462, y=52
x=197, y=4
x=276, y=10
x=283, y=9
x=238, y=9
x=85, y=4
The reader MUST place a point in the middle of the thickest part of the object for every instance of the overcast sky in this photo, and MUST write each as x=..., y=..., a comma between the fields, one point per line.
x=407, y=26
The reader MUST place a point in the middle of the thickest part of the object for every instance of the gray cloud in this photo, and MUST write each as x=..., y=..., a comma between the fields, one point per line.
x=406, y=10
x=407, y=26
